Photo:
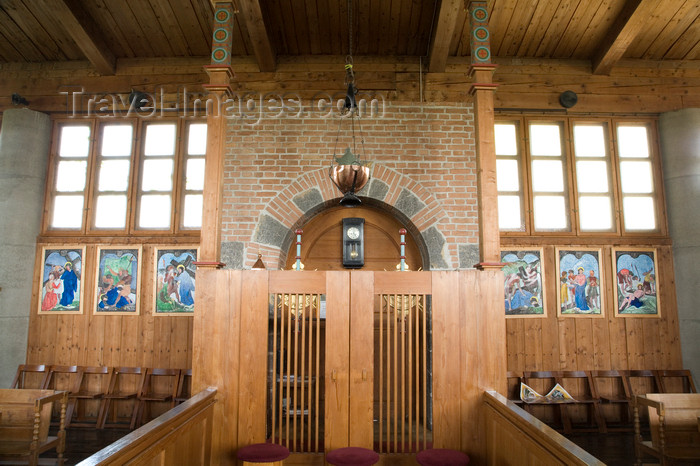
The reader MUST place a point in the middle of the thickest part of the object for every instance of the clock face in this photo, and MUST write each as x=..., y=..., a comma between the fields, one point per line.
x=353, y=233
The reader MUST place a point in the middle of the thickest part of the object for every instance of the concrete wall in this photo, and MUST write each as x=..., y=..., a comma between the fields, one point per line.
x=679, y=133
x=24, y=148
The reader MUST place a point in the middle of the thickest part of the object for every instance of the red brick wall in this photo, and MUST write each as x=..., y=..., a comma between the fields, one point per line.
x=424, y=166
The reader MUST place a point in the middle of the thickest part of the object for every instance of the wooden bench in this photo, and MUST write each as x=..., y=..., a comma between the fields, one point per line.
x=673, y=421
x=24, y=425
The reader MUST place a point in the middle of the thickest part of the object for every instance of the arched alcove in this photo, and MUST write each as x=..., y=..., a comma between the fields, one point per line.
x=322, y=240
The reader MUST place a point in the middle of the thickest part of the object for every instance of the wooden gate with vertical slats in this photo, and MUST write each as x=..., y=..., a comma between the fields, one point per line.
x=390, y=361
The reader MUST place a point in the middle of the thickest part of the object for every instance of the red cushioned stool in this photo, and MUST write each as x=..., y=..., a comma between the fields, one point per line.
x=442, y=457
x=267, y=453
x=352, y=456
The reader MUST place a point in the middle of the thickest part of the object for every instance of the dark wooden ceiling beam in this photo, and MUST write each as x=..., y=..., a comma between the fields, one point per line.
x=81, y=28
x=624, y=30
x=252, y=15
x=442, y=35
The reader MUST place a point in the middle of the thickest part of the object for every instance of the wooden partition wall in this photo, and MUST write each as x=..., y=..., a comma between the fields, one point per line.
x=231, y=338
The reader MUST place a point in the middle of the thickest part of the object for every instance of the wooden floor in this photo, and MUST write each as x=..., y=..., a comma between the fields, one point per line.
x=614, y=449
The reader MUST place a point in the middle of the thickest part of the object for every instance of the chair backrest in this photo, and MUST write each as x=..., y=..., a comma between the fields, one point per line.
x=63, y=378
x=93, y=378
x=31, y=376
x=184, y=385
x=675, y=381
x=642, y=381
x=163, y=381
x=581, y=379
x=126, y=379
x=513, y=379
x=612, y=384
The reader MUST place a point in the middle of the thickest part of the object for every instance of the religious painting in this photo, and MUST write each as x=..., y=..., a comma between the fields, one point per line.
x=579, y=288
x=635, y=284
x=524, y=282
x=61, y=282
x=118, y=278
x=175, y=281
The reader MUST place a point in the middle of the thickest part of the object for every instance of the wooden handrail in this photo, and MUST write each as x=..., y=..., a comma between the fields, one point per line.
x=162, y=435
x=533, y=437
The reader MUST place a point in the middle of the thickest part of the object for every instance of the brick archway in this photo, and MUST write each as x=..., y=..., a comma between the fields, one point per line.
x=388, y=189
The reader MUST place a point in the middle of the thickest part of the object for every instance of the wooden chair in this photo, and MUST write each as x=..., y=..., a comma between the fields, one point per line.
x=159, y=386
x=92, y=385
x=617, y=393
x=184, y=386
x=124, y=384
x=514, y=379
x=65, y=378
x=24, y=426
x=675, y=381
x=543, y=382
x=673, y=422
x=31, y=376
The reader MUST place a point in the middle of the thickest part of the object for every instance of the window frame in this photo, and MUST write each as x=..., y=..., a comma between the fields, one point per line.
x=90, y=193
x=522, y=122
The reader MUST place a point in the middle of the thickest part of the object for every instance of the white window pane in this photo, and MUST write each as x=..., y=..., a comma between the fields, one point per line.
x=506, y=140
x=160, y=140
x=71, y=176
x=194, y=176
x=547, y=176
x=592, y=177
x=158, y=175
x=636, y=177
x=545, y=140
x=632, y=141
x=197, y=141
x=639, y=213
x=192, y=217
x=594, y=213
x=114, y=175
x=116, y=140
x=507, y=176
x=75, y=141
x=550, y=213
x=67, y=212
x=110, y=211
x=154, y=211
x=589, y=141
x=509, y=213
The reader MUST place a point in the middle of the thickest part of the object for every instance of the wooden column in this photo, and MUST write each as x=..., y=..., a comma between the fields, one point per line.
x=482, y=89
x=220, y=74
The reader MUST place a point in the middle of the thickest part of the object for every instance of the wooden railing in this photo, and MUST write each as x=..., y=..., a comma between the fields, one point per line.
x=513, y=436
x=180, y=436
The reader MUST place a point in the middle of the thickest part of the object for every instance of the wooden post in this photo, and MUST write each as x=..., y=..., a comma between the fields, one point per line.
x=220, y=74
x=482, y=88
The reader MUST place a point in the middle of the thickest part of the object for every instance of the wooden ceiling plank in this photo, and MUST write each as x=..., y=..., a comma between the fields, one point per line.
x=99, y=11
x=655, y=23
x=602, y=22
x=624, y=30
x=361, y=27
x=129, y=28
x=314, y=27
x=561, y=19
x=419, y=42
x=57, y=34
x=404, y=19
x=199, y=42
x=686, y=16
x=301, y=26
x=25, y=20
x=519, y=23
x=443, y=29
x=683, y=46
x=577, y=28
x=257, y=31
x=147, y=19
x=204, y=12
x=166, y=18
x=241, y=40
x=20, y=41
x=83, y=31
x=498, y=25
x=537, y=29
x=324, y=27
x=8, y=53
